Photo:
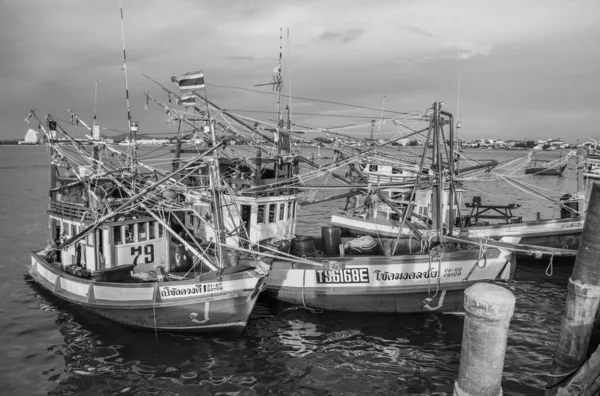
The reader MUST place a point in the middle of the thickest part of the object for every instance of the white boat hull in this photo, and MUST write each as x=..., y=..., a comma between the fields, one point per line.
x=563, y=233
x=409, y=283
x=195, y=305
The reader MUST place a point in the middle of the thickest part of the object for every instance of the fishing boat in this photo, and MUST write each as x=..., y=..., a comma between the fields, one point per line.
x=564, y=232
x=117, y=249
x=482, y=220
x=591, y=166
x=544, y=168
x=419, y=274
x=122, y=238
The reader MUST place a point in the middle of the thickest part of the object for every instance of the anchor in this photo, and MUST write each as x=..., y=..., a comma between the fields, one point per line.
x=193, y=315
x=440, y=302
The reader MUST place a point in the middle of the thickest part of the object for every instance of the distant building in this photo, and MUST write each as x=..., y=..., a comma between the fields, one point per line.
x=31, y=137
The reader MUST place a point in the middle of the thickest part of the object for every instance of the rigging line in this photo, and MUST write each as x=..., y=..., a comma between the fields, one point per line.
x=310, y=114
x=308, y=99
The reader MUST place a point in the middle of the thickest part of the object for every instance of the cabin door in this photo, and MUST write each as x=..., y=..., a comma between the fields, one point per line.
x=246, y=211
x=90, y=257
x=100, y=244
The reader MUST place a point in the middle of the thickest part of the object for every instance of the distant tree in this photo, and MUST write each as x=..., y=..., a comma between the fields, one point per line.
x=530, y=144
x=413, y=143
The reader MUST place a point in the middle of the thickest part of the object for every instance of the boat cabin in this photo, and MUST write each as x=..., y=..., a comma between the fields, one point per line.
x=246, y=218
x=250, y=212
x=388, y=173
x=132, y=239
x=422, y=205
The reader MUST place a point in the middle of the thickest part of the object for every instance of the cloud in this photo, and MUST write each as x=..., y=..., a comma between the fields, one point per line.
x=417, y=31
x=512, y=56
x=240, y=58
x=472, y=50
x=345, y=35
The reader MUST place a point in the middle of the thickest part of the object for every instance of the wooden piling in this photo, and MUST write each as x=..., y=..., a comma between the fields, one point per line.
x=489, y=309
x=582, y=300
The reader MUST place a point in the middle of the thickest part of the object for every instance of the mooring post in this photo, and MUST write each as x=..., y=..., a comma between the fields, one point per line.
x=489, y=309
x=582, y=300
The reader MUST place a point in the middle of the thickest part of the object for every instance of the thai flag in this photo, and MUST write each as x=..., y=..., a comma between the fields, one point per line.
x=187, y=100
x=190, y=81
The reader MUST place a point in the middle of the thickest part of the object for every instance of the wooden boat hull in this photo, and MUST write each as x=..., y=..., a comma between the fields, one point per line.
x=560, y=233
x=409, y=283
x=546, y=171
x=205, y=305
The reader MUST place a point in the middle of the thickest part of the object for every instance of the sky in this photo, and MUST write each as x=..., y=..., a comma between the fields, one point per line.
x=511, y=69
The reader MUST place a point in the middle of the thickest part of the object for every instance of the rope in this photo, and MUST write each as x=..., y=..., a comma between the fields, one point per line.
x=311, y=310
x=154, y=311
x=550, y=268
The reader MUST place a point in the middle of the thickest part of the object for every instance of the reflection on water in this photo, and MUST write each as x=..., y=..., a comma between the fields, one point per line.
x=295, y=351
x=51, y=347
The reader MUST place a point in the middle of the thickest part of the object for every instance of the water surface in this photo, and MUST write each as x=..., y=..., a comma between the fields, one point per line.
x=51, y=347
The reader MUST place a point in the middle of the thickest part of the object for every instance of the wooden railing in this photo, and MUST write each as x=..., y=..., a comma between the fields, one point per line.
x=69, y=210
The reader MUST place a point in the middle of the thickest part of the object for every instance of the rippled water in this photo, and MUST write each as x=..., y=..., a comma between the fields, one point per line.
x=51, y=347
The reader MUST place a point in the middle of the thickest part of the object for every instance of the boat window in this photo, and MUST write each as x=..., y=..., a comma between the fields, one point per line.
x=396, y=171
x=246, y=212
x=293, y=210
x=66, y=229
x=160, y=230
x=142, y=235
x=151, y=233
x=129, y=233
x=260, y=216
x=117, y=235
x=272, y=208
x=73, y=229
x=281, y=211
x=89, y=240
x=373, y=168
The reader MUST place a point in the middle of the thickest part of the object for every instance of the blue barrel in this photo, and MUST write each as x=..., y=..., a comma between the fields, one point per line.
x=332, y=238
x=303, y=246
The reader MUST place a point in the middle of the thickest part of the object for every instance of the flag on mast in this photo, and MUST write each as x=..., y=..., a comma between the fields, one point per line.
x=187, y=100
x=190, y=81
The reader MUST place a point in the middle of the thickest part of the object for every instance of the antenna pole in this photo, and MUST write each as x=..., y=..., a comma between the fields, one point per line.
x=289, y=62
x=381, y=116
x=279, y=115
x=95, y=137
x=132, y=132
x=95, y=100
x=458, y=112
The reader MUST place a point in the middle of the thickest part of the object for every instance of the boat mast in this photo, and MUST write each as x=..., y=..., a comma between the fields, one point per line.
x=279, y=127
x=131, y=126
x=95, y=101
x=577, y=167
x=95, y=134
x=438, y=171
x=215, y=184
